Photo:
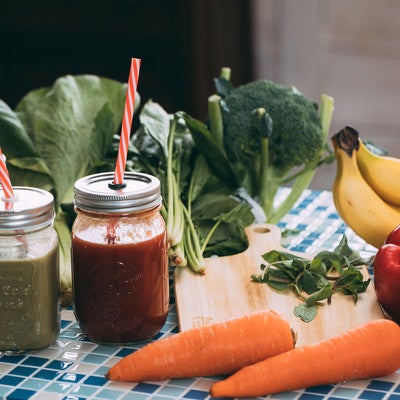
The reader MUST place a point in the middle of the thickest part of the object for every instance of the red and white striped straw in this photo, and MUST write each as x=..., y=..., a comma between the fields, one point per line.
x=5, y=178
x=127, y=121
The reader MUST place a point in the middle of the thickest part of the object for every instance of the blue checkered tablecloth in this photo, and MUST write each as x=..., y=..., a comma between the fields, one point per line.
x=73, y=368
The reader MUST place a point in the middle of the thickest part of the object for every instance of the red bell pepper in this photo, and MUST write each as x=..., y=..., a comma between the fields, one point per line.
x=394, y=236
x=387, y=275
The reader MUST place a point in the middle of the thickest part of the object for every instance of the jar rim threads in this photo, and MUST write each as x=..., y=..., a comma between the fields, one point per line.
x=31, y=209
x=140, y=192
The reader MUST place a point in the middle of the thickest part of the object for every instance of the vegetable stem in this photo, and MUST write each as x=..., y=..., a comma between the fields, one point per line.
x=215, y=120
x=192, y=245
x=326, y=113
x=175, y=220
x=266, y=190
x=209, y=235
x=225, y=73
x=296, y=191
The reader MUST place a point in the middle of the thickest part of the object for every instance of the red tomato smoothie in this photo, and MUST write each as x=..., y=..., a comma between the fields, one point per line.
x=120, y=290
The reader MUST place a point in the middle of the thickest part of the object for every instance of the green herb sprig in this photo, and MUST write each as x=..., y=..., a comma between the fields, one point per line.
x=315, y=280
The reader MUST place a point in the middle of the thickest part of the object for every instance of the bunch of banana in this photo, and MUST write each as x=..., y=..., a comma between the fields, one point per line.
x=366, y=189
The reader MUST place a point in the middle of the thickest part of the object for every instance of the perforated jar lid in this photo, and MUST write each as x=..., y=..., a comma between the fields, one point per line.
x=98, y=194
x=30, y=209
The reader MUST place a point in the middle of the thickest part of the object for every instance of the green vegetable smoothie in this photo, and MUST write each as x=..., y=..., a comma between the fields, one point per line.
x=29, y=302
x=29, y=271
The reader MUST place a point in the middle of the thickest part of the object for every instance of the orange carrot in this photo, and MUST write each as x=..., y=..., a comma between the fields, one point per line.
x=368, y=351
x=219, y=348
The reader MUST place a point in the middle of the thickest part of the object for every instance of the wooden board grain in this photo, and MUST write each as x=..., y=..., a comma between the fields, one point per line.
x=226, y=291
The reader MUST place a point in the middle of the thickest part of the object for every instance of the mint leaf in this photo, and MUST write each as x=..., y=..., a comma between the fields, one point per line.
x=305, y=313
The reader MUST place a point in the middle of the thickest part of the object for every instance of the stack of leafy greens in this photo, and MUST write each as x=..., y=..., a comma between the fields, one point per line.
x=203, y=216
x=216, y=177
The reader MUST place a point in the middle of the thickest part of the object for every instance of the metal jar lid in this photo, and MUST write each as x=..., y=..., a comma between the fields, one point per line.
x=97, y=193
x=29, y=209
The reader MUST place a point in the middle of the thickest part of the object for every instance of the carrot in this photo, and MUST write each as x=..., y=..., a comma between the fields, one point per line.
x=218, y=348
x=368, y=351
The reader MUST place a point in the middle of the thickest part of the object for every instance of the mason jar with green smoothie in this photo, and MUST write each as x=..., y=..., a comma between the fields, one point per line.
x=29, y=271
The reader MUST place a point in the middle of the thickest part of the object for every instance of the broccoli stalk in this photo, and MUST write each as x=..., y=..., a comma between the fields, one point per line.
x=263, y=123
x=300, y=180
x=225, y=73
x=215, y=119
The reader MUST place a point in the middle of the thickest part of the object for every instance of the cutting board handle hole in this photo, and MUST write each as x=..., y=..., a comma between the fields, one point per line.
x=262, y=229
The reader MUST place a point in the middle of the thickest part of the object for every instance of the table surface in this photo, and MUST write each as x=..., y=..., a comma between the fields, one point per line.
x=73, y=368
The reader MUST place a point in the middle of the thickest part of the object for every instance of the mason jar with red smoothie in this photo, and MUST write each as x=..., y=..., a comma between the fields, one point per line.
x=119, y=258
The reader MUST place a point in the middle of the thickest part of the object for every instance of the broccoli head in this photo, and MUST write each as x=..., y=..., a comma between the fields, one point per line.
x=274, y=136
x=296, y=135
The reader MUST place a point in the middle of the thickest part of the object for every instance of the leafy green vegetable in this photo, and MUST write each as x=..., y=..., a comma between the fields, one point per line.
x=317, y=279
x=264, y=136
x=203, y=217
x=305, y=312
x=66, y=127
x=57, y=135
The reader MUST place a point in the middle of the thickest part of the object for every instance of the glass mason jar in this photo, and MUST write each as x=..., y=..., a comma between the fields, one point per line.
x=119, y=258
x=29, y=272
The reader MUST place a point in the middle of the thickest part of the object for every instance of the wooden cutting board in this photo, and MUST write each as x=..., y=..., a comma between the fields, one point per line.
x=226, y=291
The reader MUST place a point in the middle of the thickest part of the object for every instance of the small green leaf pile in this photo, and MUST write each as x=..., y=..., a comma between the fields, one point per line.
x=314, y=280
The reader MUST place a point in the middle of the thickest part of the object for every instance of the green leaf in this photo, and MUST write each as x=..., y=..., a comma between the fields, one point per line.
x=13, y=134
x=278, y=285
x=305, y=313
x=317, y=266
x=280, y=272
x=352, y=257
x=351, y=282
x=330, y=260
x=228, y=239
x=156, y=121
x=237, y=213
x=307, y=282
x=223, y=86
x=322, y=294
x=278, y=255
x=232, y=216
x=289, y=232
x=199, y=179
x=216, y=158
x=72, y=124
x=225, y=209
x=24, y=165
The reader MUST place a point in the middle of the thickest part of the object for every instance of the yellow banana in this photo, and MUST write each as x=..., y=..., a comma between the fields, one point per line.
x=356, y=202
x=381, y=172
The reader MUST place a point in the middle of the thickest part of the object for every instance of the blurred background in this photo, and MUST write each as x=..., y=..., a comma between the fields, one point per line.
x=349, y=50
